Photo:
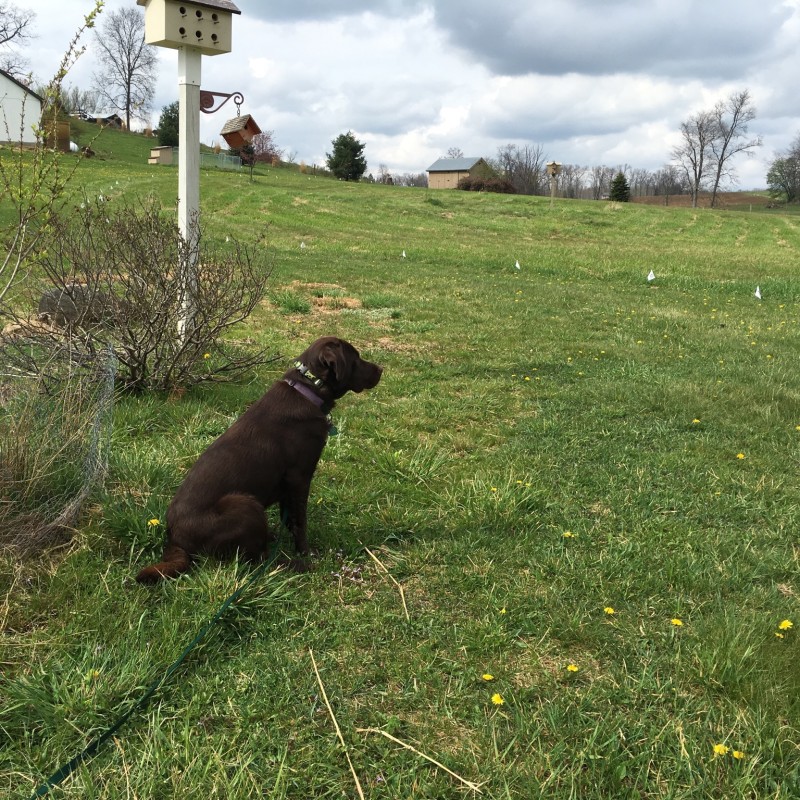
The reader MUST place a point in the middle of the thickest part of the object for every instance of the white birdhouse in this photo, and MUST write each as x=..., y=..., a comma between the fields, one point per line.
x=205, y=25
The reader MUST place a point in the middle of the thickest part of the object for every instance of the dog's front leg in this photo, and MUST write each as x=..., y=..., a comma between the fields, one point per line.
x=294, y=511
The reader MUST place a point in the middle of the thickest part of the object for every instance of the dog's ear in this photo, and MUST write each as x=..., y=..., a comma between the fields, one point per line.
x=335, y=361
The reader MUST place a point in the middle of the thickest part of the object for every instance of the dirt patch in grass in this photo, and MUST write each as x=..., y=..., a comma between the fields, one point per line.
x=335, y=303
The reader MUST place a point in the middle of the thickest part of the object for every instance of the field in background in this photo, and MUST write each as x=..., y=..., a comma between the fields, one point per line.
x=585, y=483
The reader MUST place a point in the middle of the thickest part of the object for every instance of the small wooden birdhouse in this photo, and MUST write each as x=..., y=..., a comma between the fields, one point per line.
x=205, y=25
x=553, y=168
x=239, y=131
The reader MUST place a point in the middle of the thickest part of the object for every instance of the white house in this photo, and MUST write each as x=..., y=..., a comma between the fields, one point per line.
x=20, y=110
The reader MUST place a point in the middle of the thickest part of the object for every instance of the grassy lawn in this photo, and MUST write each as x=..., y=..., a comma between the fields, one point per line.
x=586, y=485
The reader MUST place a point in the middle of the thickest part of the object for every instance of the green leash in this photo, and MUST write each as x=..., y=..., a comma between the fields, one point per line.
x=60, y=775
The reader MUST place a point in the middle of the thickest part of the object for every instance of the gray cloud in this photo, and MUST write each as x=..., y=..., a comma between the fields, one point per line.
x=676, y=38
x=299, y=10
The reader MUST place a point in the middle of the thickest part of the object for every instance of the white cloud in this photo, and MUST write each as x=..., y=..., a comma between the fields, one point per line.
x=592, y=83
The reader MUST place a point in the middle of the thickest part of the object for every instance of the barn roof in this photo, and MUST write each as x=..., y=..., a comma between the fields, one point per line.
x=463, y=164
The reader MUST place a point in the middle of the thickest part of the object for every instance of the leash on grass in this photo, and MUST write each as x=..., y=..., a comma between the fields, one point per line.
x=61, y=774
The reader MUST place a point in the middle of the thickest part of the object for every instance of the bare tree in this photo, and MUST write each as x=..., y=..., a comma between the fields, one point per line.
x=127, y=76
x=731, y=118
x=522, y=166
x=454, y=152
x=668, y=182
x=693, y=154
x=600, y=181
x=15, y=25
x=75, y=100
x=571, y=180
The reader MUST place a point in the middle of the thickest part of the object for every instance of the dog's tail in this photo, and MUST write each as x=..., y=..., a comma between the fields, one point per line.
x=174, y=561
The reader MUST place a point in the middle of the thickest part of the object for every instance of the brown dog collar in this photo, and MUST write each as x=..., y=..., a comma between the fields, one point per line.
x=306, y=391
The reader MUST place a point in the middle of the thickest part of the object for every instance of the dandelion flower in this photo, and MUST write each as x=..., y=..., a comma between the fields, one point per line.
x=568, y=535
x=738, y=754
x=206, y=355
x=721, y=749
x=487, y=676
x=503, y=610
x=152, y=523
x=695, y=421
x=779, y=635
x=610, y=611
x=740, y=456
x=785, y=625
x=677, y=622
x=572, y=668
x=497, y=699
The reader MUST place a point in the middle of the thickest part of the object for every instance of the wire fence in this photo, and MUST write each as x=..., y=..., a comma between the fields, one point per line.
x=54, y=443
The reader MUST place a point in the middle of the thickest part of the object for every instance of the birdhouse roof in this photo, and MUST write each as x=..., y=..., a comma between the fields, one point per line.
x=240, y=124
x=454, y=164
x=222, y=5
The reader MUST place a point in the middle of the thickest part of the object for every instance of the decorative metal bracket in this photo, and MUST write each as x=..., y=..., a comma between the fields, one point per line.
x=208, y=99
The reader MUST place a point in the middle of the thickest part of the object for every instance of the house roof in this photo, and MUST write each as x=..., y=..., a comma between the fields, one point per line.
x=21, y=85
x=464, y=164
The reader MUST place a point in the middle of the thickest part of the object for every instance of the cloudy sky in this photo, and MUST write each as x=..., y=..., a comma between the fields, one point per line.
x=591, y=81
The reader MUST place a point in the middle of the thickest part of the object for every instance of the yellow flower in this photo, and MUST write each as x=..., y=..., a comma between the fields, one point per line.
x=572, y=668
x=740, y=456
x=609, y=610
x=487, y=676
x=779, y=635
x=497, y=699
x=676, y=622
x=785, y=625
x=568, y=535
x=695, y=421
x=721, y=749
x=206, y=355
x=738, y=754
x=503, y=610
x=152, y=523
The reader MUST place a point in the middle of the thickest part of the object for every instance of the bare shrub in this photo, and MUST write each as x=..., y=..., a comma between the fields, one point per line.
x=121, y=278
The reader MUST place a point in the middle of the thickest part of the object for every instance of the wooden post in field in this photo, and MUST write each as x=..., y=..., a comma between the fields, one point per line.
x=553, y=170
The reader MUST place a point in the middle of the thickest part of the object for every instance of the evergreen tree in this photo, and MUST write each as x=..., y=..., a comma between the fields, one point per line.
x=620, y=189
x=168, y=126
x=347, y=160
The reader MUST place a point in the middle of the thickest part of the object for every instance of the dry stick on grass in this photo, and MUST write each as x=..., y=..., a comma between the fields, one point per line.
x=475, y=787
x=391, y=578
x=335, y=724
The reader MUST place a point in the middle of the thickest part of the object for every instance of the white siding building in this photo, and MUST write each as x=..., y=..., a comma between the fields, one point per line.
x=20, y=111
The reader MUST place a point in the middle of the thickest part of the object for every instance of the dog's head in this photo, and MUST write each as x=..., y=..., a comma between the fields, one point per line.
x=340, y=367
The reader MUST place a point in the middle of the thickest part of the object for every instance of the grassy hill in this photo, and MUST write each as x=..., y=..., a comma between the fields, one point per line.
x=585, y=483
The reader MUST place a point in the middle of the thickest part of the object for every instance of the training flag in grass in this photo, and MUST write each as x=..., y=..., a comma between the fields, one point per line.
x=651, y=276
x=516, y=265
x=758, y=292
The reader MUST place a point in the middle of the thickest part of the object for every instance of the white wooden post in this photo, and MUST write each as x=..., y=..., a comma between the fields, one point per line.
x=189, y=69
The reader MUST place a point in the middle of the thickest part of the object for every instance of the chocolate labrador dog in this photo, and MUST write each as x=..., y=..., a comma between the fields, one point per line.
x=267, y=456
